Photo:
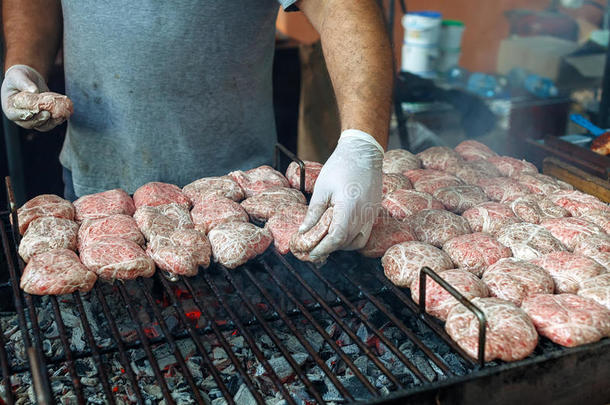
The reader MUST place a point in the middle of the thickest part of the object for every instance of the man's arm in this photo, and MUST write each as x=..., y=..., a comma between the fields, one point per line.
x=32, y=31
x=359, y=60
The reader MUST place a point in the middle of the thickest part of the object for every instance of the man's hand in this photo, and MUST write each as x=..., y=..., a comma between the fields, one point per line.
x=350, y=181
x=20, y=78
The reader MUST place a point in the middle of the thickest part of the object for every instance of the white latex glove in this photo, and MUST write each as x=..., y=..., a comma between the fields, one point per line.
x=20, y=78
x=351, y=182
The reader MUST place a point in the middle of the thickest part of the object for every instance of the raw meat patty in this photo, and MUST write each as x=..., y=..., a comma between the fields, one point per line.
x=223, y=186
x=401, y=204
x=535, y=208
x=156, y=193
x=510, y=334
x=577, y=203
x=512, y=167
x=438, y=157
x=181, y=252
x=601, y=218
x=502, y=189
x=48, y=233
x=438, y=301
x=162, y=219
x=571, y=230
x=118, y=225
x=263, y=205
x=471, y=172
x=438, y=226
x=458, y=199
x=302, y=244
x=216, y=210
x=399, y=161
x=567, y=319
x=513, y=280
x=44, y=205
x=393, y=182
x=489, y=217
x=56, y=272
x=99, y=205
x=284, y=224
x=115, y=258
x=569, y=270
x=58, y=105
x=234, y=243
x=387, y=232
x=475, y=251
x=312, y=171
x=529, y=241
x=596, y=247
x=403, y=262
x=259, y=179
x=415, y=174
x=597, y=289
x=474, y=150
x=430, y=182
x=538, y=183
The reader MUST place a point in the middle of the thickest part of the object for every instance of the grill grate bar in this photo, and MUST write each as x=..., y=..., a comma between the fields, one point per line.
x=365, y=349
x=63, y=336
x=372, y=327
x=322, y=332
x=273, y=336
x=96, y=354
x=6, y=370
x=172, y=343
x=400, y=325
x=145, y=344
x=431, y=322
x=114, y=330
x=197, y=339
x=259, y=355
x=299, y=336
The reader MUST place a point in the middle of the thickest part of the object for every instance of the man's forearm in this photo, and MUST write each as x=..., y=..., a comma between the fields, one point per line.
x=359, y=60
x=32, y=31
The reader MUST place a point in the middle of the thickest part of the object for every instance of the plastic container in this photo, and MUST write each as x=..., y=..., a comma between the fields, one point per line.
x=448, y=59
x=451, y=35
x=419, y=60
x=422, y=28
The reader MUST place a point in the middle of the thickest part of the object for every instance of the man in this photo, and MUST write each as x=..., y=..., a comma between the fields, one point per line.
x=174, y=91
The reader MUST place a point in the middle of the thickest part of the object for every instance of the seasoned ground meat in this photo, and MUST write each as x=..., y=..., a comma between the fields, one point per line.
x=438, y=301
x=569, y=270
x=181, y=252
x=59, y=106
x=56, y=272
x=393, y=182
x=596, y=247
x=115, y=258
x=528, y=241
x=399, y=161
x=502, y=189
x=458, y=199
x=302, y=244
x=216, y=210
x=155, y=193
x=403, y=262
x=568, y=319
x=430, y=182
x=600, y=218
x=438, y=226
x=474, y=150
x=513, y=280
x=44, y=205
x=570, y=231
x=416, y=174
x=577, y=203
x=597, y=289
x=535, y=208
x=162, y=219
x=265, y=204
x=471, y=172
x=312, y=171
x=401, y=204
x=387, y=232
x=510, y=334
x=118, y=225
x=223, y=186
x=100, y=205
x=489, y=217
x=538, y=183
x=234, y=243
x=475, y=251
x=284, y=224
x=259, y=179
x=512, y=167
x=48, y=233
x=438, y=157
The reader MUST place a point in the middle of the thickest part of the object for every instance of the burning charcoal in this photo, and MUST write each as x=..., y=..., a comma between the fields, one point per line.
x=154, y=391
x=422, y=365
x=237, y=342
x=382, y=381
x=332, y=393
x=362, y=333
x=77, y=343
x=215, y=393
x=293, y=344
x=437, y=370
x=356, y=388
x=68, y=398
x=362, y=363
x=344, y=339
x=89, y=381
x=266, y=340
x=332, y=329
x=233, y=384
x=281, y=366
x=219, y=401
x=406, y=347
x=219, y=353
x=392, y=333
x=454, y=363
x=350, y=349
x=315, y=339
x=194, y=366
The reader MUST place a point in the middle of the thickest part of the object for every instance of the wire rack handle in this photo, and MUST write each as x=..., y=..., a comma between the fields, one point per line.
x=276, y=163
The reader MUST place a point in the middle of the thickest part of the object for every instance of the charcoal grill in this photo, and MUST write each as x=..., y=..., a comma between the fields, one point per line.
x=274, y=296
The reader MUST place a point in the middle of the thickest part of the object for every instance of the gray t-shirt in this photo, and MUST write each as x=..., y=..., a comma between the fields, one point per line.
x=167, y=91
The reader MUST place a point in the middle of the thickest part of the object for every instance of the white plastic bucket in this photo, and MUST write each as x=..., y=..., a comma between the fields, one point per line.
x=422, y=28
x=451, y=35
x=448, y=59
x=419, y=60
